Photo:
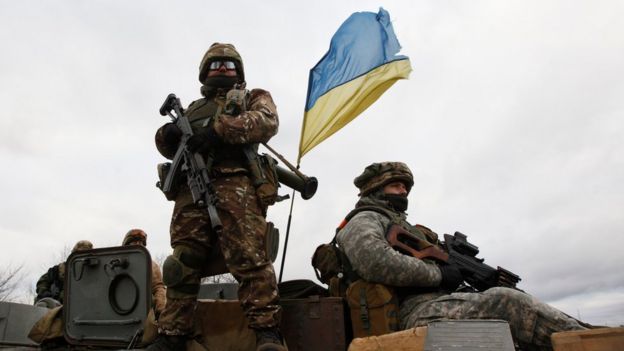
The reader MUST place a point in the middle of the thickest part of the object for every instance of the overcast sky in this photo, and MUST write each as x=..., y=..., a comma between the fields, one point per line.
x=511, y=122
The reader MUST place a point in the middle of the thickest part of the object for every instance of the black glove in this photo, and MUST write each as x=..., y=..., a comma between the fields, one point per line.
x=203, y=140
x=451, y=277
x=171, y=134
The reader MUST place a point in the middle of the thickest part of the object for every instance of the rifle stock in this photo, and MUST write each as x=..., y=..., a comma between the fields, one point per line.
x=409, y=244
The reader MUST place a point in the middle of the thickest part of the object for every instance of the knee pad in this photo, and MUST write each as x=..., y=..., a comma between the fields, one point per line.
x=181, y=281
x=172, y=271
x=189, y=257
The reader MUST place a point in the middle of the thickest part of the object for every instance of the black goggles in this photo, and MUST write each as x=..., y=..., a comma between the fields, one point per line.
x=214, y=65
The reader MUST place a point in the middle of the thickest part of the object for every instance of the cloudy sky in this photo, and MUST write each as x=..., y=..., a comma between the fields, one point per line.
x=511, y=122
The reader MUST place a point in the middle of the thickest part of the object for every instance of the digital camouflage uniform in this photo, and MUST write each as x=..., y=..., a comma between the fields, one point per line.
x=417, y=281
x=243, y=217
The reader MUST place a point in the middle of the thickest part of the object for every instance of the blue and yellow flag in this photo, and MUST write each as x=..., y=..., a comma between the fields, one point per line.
x=361, y=64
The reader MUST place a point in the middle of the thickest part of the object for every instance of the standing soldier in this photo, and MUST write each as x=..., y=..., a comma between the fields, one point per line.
x=139, y=237
x=224, y=135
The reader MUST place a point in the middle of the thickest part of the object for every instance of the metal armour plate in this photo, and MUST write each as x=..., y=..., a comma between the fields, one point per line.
x=469, y=335
x=107, y=295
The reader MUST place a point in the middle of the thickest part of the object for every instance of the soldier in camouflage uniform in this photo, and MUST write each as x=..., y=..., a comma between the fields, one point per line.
x=139, y=237
x=221, y=137
x=51, y=283
x=426, y=289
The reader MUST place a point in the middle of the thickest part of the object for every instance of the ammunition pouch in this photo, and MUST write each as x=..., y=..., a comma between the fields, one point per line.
x=374, y=309
x=266, y=187
x=163, y=171
x=326, y=262
x=271, y=241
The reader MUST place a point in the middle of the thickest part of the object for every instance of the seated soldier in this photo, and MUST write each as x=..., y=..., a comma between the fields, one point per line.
x=139, y=237
x=50, y=285
x=425, y=289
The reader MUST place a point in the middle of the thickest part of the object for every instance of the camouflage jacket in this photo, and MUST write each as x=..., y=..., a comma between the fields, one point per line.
x=158, y=289
x=255, y=125
x=51, y=283
x=364, y=243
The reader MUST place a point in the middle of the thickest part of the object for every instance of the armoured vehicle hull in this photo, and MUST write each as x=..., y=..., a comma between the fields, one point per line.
x=108, y=307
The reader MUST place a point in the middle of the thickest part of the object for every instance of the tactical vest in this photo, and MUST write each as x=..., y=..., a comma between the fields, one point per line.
x=232, y=159
x=332, y=266
x=201, y=113
x=374, y=308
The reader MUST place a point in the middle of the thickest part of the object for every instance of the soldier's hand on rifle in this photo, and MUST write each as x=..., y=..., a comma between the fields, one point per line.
x=236, y=101
x=451, y=276
x=203, y=140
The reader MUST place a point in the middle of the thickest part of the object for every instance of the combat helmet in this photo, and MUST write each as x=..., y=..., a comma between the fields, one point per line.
x=221, y=51
x=135, y=235
x=82, y=245
x=380, y=174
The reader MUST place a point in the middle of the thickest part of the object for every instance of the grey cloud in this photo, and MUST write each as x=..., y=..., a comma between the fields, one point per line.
x=510, y=122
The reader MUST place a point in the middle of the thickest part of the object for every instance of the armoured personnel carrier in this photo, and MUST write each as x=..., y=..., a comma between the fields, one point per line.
x=108, y=306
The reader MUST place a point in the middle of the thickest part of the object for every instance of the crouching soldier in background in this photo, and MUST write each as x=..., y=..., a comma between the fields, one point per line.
x=50, y=285
x=139, y=237
x=425, y=290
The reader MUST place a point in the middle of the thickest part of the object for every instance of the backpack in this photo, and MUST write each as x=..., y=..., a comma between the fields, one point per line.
x=330, y=265
x=374, y=308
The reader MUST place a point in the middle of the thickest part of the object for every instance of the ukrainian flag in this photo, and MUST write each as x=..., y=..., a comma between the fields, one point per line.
x=361, y=64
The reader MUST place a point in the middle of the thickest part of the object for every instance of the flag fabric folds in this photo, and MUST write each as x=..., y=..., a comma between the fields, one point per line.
x=361, y=64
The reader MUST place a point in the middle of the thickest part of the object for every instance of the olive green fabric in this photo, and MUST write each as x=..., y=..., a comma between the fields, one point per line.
x=180, y=272
x=377, y=175
x=374, y=309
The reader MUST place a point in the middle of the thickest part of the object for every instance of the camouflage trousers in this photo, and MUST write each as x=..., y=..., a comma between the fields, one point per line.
x=242, y=244
x=531, y=321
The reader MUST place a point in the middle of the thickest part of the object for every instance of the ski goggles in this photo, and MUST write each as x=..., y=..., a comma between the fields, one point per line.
x=214, y=65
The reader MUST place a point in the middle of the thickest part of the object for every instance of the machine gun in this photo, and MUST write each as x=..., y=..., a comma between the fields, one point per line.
x=192, y=163
x=458, y=251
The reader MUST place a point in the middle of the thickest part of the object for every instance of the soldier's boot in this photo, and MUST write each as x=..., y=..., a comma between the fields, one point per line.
x=269, y=339
x=168, y=343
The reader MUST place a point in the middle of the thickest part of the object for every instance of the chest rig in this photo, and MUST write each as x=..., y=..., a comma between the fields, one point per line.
x=228, y=159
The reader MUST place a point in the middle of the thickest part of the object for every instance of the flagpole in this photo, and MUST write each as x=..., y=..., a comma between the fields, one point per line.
x=292, y=202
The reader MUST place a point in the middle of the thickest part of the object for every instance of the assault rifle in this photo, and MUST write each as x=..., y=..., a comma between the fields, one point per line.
x=193, y=163
x=458, y=251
